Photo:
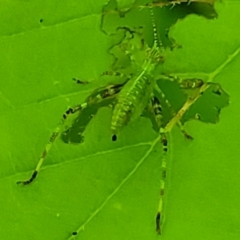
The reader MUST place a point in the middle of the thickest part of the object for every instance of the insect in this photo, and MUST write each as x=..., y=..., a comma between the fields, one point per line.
x=137, y=93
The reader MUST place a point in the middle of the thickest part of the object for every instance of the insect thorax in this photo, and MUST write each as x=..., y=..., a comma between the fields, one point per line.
x=136, y=93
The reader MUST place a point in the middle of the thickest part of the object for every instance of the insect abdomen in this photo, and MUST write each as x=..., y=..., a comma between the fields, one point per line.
x=132, y=100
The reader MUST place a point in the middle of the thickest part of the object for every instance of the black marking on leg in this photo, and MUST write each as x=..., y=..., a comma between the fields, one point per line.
x=34, y=175
x=164, y=174
x=112, y=73
x=186, y=135
x=53, y=137
x=114, y=137
x=156, y=106
x=157, y=110
x=74, y=233
x=71, y=111
x=65, y=115
x=78, y=81
x=158, y=221
x=44, y=153
x=162, y=192
x=165, y=144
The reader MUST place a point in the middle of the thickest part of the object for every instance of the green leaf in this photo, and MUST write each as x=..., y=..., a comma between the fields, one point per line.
x=110, y=190
x=166, y=14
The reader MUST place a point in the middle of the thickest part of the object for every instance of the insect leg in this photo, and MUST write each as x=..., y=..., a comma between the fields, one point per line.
x=185, y=134
x=96, y=97
x=179, y=124
x=186, y=83
x=51, y=141
x=159, y=216
x=99, y=99
x=108, y=73
x=114, y=73
x=79, y=81
x=156, y=110
x=189, y=102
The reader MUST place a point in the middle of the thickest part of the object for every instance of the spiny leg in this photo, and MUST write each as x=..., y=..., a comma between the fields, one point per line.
x=105, y=73
x=108, y=73
x=96, y=97
x=159, y=216
x=74, y=133
x=179, y=124
x=79, y=81
x=99, y=98
x=115, y=73
x=156, y=110
x=186, y=83
x=175, y=120
x=51, y=141
x=185, y=134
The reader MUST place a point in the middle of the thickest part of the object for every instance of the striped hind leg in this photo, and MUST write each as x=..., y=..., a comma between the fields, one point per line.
x=176, y=120
x=96, y=97
x=51, y=141
x=156, y=110
x=159, y=216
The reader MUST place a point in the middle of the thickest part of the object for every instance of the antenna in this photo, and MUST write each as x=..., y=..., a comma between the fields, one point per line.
x=156, y=41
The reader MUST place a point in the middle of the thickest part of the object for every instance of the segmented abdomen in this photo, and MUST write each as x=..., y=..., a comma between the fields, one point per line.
x=132, y=100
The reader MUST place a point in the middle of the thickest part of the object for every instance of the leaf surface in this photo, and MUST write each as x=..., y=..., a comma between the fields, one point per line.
x=110, y=190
